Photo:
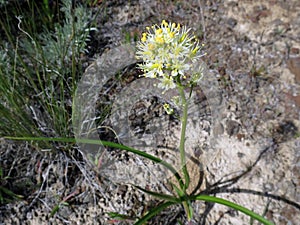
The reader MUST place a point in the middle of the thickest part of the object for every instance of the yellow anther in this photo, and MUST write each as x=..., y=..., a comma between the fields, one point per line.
x=158, y=31
x=182, y=37
x=164, y=23
x=173, y=25
x=195, y=50
x=150, y=46
x=159, y=40
x=156, y=66
x=144, y=38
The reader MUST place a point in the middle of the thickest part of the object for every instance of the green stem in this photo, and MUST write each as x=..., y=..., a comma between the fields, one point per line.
x=185, y=104
x=182, y=137
x=104, y=143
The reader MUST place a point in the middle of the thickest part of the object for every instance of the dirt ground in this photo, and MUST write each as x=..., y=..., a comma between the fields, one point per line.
x=253, y=52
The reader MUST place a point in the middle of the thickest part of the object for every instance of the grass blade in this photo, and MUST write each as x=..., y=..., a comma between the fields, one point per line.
x=104, y=143
x=233, y=206
x=169, y=198
x=153, y=212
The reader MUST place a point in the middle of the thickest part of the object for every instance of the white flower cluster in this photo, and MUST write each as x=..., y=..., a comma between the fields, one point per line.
x=168, y=53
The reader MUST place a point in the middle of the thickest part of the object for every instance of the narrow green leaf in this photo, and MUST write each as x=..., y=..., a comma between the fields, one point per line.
x=1, y=198
x=180, y=223
x=159, y=195
x=10, y=193
x=179, y=191
x=64, y=203
x=233, y=206
x=119, y=216
x=153, y=212
x=54, y=210
x=104, y=143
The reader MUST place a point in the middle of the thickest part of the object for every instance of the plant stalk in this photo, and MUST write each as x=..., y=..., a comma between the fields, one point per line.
x=185, y=103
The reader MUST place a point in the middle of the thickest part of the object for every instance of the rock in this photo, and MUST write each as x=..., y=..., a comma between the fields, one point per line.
x=294, y=66
x=232, y=22
x=295, y=50
x=232, y=128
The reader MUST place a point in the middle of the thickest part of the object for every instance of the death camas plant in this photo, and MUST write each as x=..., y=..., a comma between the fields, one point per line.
x=171, y=54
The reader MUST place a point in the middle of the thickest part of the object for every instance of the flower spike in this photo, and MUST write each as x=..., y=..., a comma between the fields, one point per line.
x=174, y=48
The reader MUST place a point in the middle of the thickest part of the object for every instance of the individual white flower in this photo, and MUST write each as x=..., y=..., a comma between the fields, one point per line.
x=166, y=82
x=168, y=109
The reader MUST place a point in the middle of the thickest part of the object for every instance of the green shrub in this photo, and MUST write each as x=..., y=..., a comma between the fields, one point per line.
x=39, y=67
